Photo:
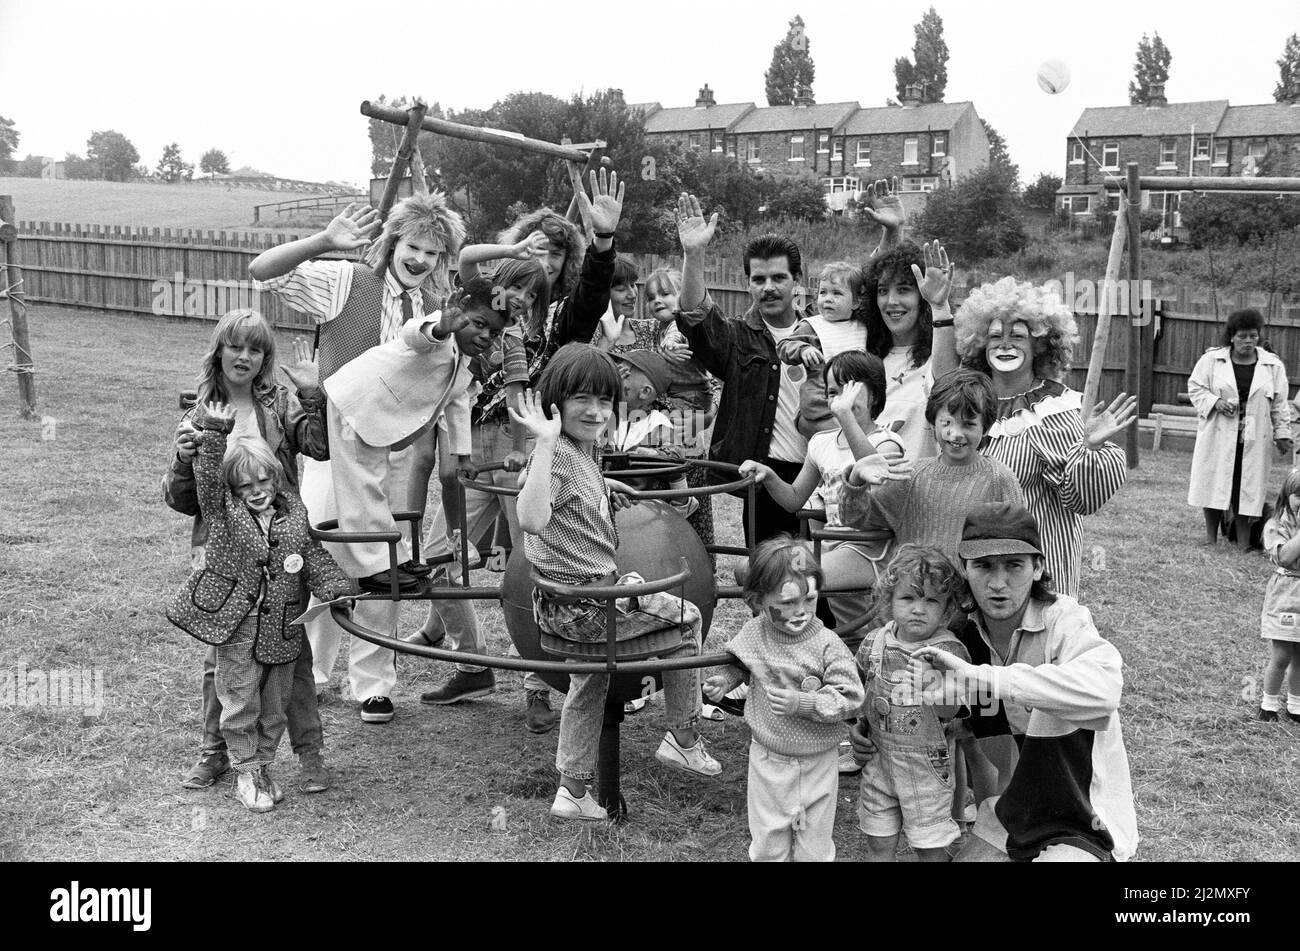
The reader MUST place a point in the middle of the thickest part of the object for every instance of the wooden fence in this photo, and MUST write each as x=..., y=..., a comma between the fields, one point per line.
x=201, y=274
x=322, y=207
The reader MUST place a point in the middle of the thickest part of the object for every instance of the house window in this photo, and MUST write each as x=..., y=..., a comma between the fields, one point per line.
x=939, y=145
x=715, y=141
x=1202, y=150
x=1168, y=151
x=731, y=146
x=909, y=151
x=847, y=183
x=1110, y=155
x=695, y=140
x=823, y=142
x=751, y=149
x=1076, y=204
x=1076, y=153
x=796, y=148
x=920, y=183
x=1220, y=151
x=864, y=153
x=1168, y=204
x=837, y=150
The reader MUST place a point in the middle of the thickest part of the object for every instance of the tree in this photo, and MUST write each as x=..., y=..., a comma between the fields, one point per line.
x=30, y=167
x=998, y=155
x=9, y=137
x=800, y=197
x=214, y=162
x=976, y=218
x=1151, y=66
x=1041, y=195
x=929, y=65
x=112, y=154
x=792, y=66
x=172, y=167
x=1288, y=84
x=74, y=166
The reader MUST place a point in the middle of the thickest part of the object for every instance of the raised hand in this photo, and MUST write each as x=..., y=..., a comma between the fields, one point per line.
x=449, y=321
x=1105, y=423
x=532, y=417
x=612, y=327
x=694, y=232
x=353, y=228
x=841, y=403
x=222, y=415
x=302, y=372
x=880, y=203
x=936, y=284
x=536, y=245
x=883, y=467
x=605, y=207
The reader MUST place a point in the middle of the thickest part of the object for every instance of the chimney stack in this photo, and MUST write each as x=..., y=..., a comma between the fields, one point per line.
x=803, y=97
x=1156, y=96
x=913, y=94
x=705, y=98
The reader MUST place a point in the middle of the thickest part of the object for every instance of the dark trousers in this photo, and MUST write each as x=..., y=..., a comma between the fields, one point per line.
x=769, y=518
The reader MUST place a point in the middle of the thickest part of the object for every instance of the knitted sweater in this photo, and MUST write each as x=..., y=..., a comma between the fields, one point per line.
x=931, y=507
x=816, y=663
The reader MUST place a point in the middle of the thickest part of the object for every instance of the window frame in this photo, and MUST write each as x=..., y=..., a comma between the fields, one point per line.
x=1110, y=147
x=796, y=138
x=915, y=144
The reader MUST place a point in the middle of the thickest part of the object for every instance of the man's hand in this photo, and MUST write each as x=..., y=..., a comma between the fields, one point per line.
x=936, y=284
x=1284, y=446
x=187, y=444
x=715, y=687
x=692, y=230
x=1105, y=423
x=353, y=228
x=880, y=203
x=958, y=677
x=620, y=496
x=783, y=700
x=515, y=460
x=302, y=372
x=536, y=245
x=532, y=417
x=448, y=323
x=465, y=467
x=863, y=746
x=605, y=207
x=759, y=470
x=842, y=403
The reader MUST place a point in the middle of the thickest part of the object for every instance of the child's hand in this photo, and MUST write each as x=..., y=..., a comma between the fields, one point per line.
x=936, y=284
x=880, y=203
x=813, y=358
x=676, y=353
x=887, y=466
x=692, y=230
x=448, y=323
x=217, y=412
x=302, y=372
x=759, y=470
x=187, y=443
x=783, y=700
x=532, y=417
x=536, y=245
x=353, y=228
x=619, y=495
x=605, y=206
x=864, y=748
x=612, y=326
x=715, y=687
x=842, y=403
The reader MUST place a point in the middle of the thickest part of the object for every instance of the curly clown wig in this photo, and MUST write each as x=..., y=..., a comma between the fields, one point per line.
x=426, y=216
x=1050, y=323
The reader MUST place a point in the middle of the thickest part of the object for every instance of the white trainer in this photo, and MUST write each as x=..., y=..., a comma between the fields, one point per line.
x=586, y=809
x=691, y=759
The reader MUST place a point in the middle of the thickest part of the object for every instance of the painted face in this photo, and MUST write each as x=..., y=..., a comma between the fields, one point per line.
x=899, y=303
x=1009, y=348
x=772, y=286
x=256, y=493
x=918, y=610
x=1244, y=343
x=638, y=391
x=861, y=405
x=520, y=299
x=623, y=299
x=241, y=362
x=835, y=300
x=792, y=607
x=1001, y=583
x=413, y=258
x=958, y=439
x=482, y=331
x=662, y=303
x=557, y=254
x=583, y=417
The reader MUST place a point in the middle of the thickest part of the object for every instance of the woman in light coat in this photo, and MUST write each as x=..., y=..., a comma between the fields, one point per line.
x=1231, y=462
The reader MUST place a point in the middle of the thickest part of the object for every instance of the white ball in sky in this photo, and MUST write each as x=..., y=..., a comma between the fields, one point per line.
x=1053, y=76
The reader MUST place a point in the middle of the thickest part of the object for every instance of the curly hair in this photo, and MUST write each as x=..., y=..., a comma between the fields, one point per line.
x=920, y=565
x=1248, y=318
x=426, y=216
x=1050, y=323
x=896, y=265
x=560, y=230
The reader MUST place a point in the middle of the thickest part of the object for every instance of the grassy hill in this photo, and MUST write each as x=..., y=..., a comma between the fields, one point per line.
x=138, y=203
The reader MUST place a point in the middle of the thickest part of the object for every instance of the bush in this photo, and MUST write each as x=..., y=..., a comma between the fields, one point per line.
x=1042, y=193
x=800, y=197
x=975, y=218
x=1218, y=219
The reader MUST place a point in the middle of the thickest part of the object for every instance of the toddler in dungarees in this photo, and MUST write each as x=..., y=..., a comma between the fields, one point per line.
x=908, y=784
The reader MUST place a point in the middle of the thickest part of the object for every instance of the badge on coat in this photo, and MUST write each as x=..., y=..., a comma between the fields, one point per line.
x=810, y=685
x=293, y=564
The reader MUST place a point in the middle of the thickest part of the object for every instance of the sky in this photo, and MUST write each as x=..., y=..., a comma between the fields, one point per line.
x=277, y=84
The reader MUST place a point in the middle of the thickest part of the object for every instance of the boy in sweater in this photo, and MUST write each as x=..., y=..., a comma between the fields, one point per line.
x=803, y=684
x=930, y=508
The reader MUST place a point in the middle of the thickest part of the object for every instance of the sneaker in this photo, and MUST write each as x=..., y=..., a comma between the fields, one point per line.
x=1268, y=716
x=376, y=710
x=538, y=715
x=692, y=759
x=637, y=705
x=586, y=809
x=462, y=686
x=313, y=777
x=421, y=638
x=253, y=793
x=206, y=771
x=848, y=765
x=277, y=794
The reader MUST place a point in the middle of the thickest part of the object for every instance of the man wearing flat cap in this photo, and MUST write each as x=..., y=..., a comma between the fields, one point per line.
x=1041, y=673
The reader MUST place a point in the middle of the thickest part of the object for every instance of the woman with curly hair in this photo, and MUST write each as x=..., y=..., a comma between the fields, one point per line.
x=1023, y=336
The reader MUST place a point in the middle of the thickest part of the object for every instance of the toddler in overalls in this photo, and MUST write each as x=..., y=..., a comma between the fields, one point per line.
x=908, y=784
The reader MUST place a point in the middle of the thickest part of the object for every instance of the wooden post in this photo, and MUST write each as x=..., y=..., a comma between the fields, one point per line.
x=1147, y=322
x=1138, y=385
x=1100, y=338
x=11, y=281
x=402, y=164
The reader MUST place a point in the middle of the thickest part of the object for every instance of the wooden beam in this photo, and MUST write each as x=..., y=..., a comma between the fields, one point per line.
x=1137, y=385
x=11, y=280
x=1102, y=335
x=402, y=163
x=1213, y=183
x=473, y=134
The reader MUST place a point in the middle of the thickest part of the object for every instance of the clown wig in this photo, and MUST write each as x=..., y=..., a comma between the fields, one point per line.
x=1050, y=323
x=426, y=217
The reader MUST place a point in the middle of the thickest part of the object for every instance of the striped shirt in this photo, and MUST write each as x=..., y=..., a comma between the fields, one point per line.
x=577, y=545
x=319, y=289
x=1040, y=437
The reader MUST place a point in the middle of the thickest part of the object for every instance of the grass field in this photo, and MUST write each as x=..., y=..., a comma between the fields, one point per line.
x=89, y=557
x=138, y=204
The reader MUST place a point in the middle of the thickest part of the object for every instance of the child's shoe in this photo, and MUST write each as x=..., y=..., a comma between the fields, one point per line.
x=1267, y=716
x=277, y=794
x=313, y=777
x=209, y=768
x=848, y=766
x=586, y=809
x=252, y=792
x=691, y=759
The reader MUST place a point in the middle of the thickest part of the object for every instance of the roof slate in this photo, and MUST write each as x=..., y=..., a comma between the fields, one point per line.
x=1177, y=118
x=892, y=119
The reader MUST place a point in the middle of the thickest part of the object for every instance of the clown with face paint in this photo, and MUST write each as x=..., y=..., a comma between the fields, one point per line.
x=803, y=684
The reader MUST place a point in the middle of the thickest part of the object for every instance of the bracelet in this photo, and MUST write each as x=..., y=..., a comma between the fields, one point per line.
x=943, y=323
x=603, y=234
